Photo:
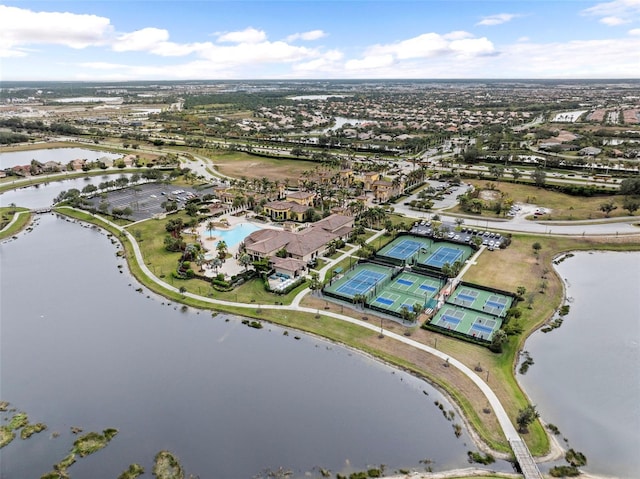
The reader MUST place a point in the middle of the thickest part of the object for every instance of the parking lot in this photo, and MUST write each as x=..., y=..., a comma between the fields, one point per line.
x=465, y=235
x=145, y=200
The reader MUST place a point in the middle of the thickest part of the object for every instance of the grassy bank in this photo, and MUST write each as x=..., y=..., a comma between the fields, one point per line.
x=7, y=215
x=507, y=269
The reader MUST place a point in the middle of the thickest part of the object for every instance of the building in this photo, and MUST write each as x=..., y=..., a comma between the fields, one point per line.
x=285, y=210
x=304, y=245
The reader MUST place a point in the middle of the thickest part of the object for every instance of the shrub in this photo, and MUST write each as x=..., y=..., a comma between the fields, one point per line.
x=564, y=471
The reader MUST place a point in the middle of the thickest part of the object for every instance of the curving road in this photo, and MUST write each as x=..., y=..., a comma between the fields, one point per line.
x=507, y=426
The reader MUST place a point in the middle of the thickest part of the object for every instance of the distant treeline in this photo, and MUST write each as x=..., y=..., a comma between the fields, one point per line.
x=17, y=124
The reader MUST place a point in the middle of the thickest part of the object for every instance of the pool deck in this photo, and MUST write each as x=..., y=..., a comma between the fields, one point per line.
x=230, y=266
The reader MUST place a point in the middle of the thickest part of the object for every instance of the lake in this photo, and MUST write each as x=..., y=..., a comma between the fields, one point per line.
x=80, y=346
x=586, y=379
x=42, y=195
x=59, y=155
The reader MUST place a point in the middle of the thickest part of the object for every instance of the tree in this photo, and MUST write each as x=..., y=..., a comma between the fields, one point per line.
x=315, y=284
x=525, y=417
x=174, y=226
x=521, y=291
x=498, y=340
x=215, y=264
x=222, y=249
x=630, y=186
x=536, y=248
x=210, y=226
x=607, y=207
x=192, y=209
x=539, y=177
x=245, y=260
x=631, y=205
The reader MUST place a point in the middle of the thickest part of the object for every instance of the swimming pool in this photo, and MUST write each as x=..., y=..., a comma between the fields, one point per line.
x=233, y=236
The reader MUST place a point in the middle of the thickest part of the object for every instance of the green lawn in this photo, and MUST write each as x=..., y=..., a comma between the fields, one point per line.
x=7, y=214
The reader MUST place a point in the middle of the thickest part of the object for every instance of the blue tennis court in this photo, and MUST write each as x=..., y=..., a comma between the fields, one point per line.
x=481, y=329
x=404, y=282
x=493, y=304
x=361, y=282
x=443, y=255
x=403, y=249
x=384, y=301
x=466, y=297
x=450, y=319
x=428, y=287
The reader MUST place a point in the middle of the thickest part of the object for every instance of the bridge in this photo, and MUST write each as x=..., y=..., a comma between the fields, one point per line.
x=527, y=465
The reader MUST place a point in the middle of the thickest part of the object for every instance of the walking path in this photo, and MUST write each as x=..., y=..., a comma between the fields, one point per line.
x=503, y=419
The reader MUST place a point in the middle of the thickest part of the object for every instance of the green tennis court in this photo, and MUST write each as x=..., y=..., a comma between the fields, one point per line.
x=474, y=324
x=444, y=252
x=493, y=303
x=363, y=279
x=406, y=290
x=405, y=247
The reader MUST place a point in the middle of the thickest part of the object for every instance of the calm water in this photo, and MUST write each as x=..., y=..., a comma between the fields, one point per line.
x=42, y=195
x=586, y=376
x=80, y=347
x=60, y=155
x=235, y=235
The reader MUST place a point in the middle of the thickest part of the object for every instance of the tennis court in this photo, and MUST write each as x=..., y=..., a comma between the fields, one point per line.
x=489, y=302
x=405, y=247
x=442, y=255
x=471, y=323
x=464, y=297
x=363, y=279
x=496, y=305
x=405, y=291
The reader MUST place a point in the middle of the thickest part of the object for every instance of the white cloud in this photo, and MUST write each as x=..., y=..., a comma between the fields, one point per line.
x=248, y=35
x=104, y=66
x=140, y=40
x=307, y=36
x=328, y=62
x=370, y=62
x=497, y=19
x=634, y=32
x=613, y=21
x=616, y=12
x=430, y=45
x=19, y=26
x=472, y=47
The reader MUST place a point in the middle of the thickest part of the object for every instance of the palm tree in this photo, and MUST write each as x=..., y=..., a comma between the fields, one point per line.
x=222, y=249
x=245, y=260
x=215, y=264
x=210, y=226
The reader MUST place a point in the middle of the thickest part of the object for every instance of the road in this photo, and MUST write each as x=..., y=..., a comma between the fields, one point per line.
x=506, y=425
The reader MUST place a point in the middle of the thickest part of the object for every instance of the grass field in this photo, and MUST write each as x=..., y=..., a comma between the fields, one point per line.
x=562, y=206
x=238, y=164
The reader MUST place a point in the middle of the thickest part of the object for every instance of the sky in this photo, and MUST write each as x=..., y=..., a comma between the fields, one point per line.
x=122, y=40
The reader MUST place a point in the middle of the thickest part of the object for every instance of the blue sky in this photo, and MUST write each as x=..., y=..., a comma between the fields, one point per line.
x=298, y=39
